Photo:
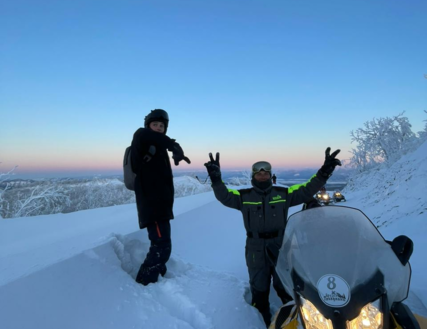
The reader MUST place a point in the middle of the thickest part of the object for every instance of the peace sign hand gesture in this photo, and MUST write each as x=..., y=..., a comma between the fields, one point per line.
x=213, y=168
x=330, y=163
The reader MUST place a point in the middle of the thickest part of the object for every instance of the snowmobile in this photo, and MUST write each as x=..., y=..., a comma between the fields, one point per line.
x=323, y=198
x=338, y=197
x=342, y=274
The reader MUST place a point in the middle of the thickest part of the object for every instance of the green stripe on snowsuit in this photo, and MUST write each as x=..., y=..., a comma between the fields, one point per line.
x=233, y=191
x=256, y=203
x=296, y=187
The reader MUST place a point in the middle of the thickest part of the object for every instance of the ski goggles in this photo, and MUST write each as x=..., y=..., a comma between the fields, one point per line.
x=261, y=166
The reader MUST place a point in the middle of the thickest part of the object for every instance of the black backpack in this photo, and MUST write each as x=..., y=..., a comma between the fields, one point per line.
x=128, y=174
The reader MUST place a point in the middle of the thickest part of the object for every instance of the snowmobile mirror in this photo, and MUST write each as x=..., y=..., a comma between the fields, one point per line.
x=403, y=248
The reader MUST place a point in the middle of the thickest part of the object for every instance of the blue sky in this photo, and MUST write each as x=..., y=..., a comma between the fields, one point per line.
x=255, y=80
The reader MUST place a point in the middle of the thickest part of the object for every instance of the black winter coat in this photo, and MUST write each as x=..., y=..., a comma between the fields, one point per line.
x=154, y=190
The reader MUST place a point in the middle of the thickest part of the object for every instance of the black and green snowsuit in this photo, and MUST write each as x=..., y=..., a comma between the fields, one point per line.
x=265, y=214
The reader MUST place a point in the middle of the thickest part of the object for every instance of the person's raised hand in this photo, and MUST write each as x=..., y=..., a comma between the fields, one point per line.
x=213, y=168
x=330, y=163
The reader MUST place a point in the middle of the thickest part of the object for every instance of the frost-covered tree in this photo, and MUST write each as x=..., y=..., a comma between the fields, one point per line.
x=382, y=140
x=423, y=133
x=45, y=198
x=247, y=177
x=4, y=186
x=97, y=193
x=63, y=196
x=186, y=185
x=244, y=179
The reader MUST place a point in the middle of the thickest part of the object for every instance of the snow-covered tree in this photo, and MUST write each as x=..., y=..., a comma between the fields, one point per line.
x=97, y=193
x=423, y=133
x=186, y=185
x=63, y=196
x=382, y=140
x=247, y=177
x=46, y=198
x=4, y=186
x=244, y=179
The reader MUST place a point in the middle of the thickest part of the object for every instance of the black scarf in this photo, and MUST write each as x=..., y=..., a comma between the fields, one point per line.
x=261, y=185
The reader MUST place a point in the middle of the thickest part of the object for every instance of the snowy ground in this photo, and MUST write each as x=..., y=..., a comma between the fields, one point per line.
x=77, y=270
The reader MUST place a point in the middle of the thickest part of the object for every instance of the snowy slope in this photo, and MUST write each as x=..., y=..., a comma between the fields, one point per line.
x=393, y=193
x=395, y=200
x=77, y=270
x=70, y=280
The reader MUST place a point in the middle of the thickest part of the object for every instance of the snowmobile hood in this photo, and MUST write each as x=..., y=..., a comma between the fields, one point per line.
x=339, y=244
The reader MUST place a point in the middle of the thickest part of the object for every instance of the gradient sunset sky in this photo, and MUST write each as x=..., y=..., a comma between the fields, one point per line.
x=275, y=80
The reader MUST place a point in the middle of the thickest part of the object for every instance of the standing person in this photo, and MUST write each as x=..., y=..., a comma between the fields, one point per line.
x=265, y=210
x=154, y=190
x=274, y=178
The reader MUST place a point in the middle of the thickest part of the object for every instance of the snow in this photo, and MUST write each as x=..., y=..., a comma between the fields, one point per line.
x=394, y=199
x=77, y=270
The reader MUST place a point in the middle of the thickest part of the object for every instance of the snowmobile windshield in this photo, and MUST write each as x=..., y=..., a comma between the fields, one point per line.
x=339, y=242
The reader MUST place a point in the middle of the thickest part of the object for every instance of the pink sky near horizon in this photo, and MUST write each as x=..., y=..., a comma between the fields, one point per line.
x=44, y=164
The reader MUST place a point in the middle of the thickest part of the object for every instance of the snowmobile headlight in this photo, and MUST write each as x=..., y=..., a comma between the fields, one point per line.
x=370, y=317
x=313, y=319
x=337, y=194
x=325, y=196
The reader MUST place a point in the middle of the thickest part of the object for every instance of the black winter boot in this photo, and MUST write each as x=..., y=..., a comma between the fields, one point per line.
x=163, y=269
x=261, y=302
x=266, y=315
x=147, y=275
x=283, y=295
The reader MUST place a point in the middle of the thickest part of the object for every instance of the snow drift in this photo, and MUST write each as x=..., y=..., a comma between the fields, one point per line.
x=77, y=270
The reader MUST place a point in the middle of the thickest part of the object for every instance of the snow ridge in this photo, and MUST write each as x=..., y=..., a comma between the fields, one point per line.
x=395, y=192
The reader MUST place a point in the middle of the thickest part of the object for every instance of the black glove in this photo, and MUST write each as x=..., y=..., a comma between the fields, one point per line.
x=213, y=168
x=178, y=154
x=313, y=203
x=330, y=163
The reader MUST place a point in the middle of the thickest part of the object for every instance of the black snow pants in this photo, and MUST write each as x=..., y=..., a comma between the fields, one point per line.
x=261, y=272
x=154, y=264
x=261, y=279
